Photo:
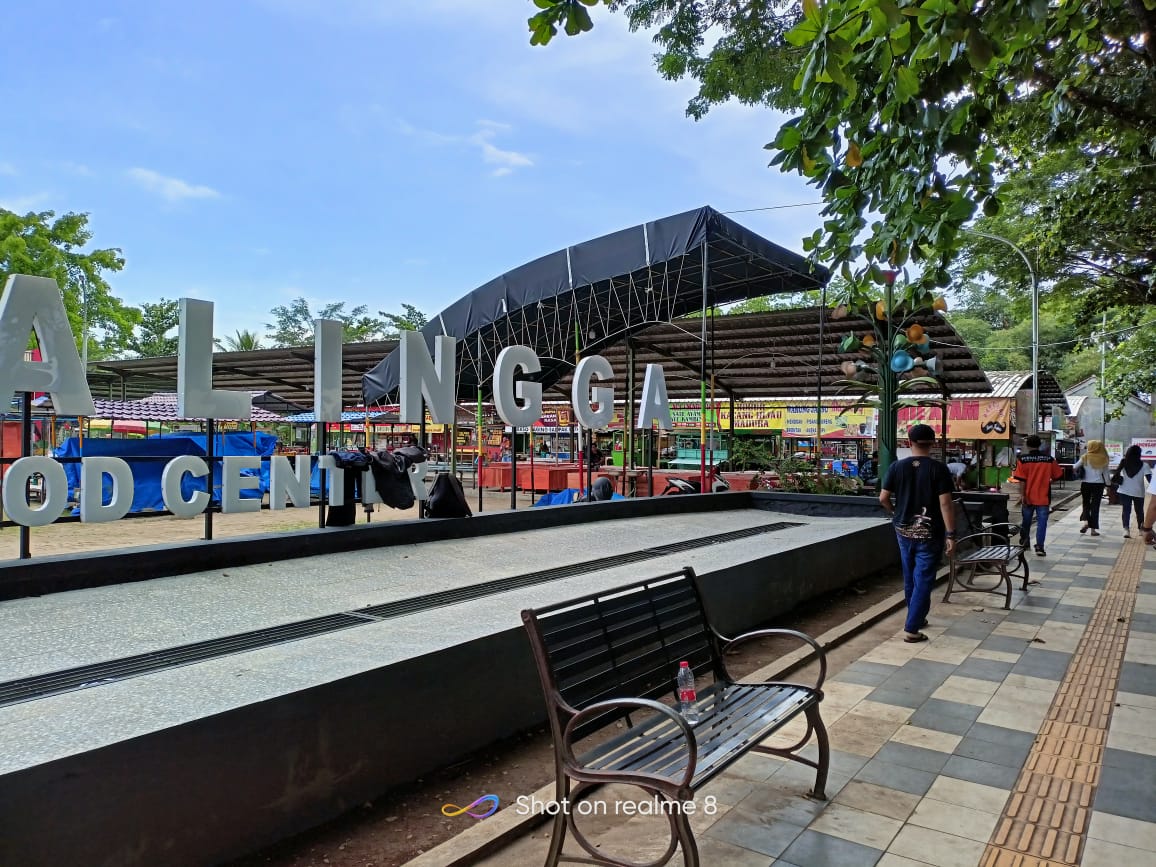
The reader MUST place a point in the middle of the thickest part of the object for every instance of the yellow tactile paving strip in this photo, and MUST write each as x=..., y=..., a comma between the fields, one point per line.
x=1046, y=818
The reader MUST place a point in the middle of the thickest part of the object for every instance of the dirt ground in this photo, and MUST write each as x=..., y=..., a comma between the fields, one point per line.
x=402, y=824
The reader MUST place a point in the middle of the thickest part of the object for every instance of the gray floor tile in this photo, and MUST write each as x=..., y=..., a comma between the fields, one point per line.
x=929, y=718
x=845, y=764
x=984, y=669
x=743, y=829
x=1001, y=735
x=968, y=627
x=1071, y=614
x=893, y=776
x=1011, y=755
x=1004, y=644
x=814, y=849
x=1089, y=582
x=866, y=673
x=1123, y=793
x=1138, y=763
x=912, y=697
x=987, y=773
x=1034, y=618
x=1138, y=677
x=770, y=804
x=1048, y=664
x=913, y=757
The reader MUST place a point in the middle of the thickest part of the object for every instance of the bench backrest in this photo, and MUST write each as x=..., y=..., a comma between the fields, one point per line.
x=622, y=643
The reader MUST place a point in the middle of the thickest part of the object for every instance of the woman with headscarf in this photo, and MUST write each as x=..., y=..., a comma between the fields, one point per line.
x=1130, y=478
x=1092, y=471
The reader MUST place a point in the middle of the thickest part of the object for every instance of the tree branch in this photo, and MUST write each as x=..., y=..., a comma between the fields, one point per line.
x=1147, y=20
x=1095, y=102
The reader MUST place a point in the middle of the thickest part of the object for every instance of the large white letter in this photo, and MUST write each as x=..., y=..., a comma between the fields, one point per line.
x=55, y=491
x=654, y=406
x=286, y=480
x=171, y=477
x=507, y=393
x=232, y=483
x=195, y=395
x=434, y=378
x=336, y=479
x=327, y=339
x=92, y=473
x=583, y=397
x=33, y=304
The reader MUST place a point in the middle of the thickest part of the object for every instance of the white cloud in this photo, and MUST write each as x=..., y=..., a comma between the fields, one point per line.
x=23, y=204
x=506, y=161
x=172, y=189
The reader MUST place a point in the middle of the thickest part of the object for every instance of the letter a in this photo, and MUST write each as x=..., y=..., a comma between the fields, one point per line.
x=34, y=304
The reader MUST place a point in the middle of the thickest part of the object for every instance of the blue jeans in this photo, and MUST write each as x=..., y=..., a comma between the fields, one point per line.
x=1041, y=515
x=919, y=559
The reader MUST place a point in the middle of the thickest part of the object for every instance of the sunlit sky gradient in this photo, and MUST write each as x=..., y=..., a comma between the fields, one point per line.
x=381, y=152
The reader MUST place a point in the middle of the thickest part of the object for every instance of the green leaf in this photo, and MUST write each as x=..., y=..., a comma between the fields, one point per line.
x=979, y=50
x=906, y=84
x=811, y=10
x=803, y=33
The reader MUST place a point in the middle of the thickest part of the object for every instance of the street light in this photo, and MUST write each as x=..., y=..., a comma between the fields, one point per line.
x=1035, y=323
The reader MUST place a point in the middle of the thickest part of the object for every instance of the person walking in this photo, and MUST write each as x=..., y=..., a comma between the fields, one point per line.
x=923, y=516
x=1035, y=473
x=1148, y=531
x=1130, y=478
x=1092, y=471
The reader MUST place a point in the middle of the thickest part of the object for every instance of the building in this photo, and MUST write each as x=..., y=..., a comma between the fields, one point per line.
x=1087, y=407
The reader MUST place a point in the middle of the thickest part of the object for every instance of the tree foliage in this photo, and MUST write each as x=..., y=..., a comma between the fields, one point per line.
x=44, y=245
x=156, y=333
x=917, y=117
x=242, y=340
x=410, y=319
x=293, y=323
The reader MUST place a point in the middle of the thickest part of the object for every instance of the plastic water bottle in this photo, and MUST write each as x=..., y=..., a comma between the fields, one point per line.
x=686, y=693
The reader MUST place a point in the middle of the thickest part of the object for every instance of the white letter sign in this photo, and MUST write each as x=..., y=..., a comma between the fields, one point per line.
x=582, y=396
x=195, y=395
x=434, y=377
x=92, y=473
x=55, y=491
x=507, y=393
x=654, y=405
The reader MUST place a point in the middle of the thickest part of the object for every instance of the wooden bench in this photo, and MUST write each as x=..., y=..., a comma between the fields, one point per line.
x=990, y=551
x=607, y=657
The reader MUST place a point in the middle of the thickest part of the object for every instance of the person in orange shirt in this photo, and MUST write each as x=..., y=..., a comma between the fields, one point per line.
x=1035, y=473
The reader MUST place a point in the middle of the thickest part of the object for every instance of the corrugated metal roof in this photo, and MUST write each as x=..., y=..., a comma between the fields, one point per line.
x=1076, y=403
x=144, y=410
x=1008, y=383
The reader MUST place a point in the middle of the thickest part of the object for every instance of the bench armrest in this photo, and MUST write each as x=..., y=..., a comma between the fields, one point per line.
x=637, y=704
x=987, y=533
x=728, y=643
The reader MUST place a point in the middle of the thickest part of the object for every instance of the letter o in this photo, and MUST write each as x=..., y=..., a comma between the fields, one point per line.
x=55, y=491
x=171, y=478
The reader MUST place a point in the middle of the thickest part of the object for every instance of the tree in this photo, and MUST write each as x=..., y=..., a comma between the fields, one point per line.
x=917, y=116
x=293, y=325
x=241, y=341
x=42, y=245
x=155, y=335
x=410, y=319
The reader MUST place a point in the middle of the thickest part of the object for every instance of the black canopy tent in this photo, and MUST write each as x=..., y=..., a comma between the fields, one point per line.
x=576, y=301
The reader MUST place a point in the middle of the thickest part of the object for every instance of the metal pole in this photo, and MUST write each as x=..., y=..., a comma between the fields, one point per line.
x=819, y=383
x=631, y=437
x=322, y=447
x=1035, y=324
x=210, y=451
x=25, y=451
x=481, y=429
x=513, y=466
x=702, y=378
x=1103, y=368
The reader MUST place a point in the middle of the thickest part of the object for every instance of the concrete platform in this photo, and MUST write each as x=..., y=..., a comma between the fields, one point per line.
x=1023, y=738
x=199, y=763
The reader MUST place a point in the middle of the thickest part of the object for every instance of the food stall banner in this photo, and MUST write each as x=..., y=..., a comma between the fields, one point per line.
x=801, y=420
x=985, y=418
x=1147, y=448
x=754, y=415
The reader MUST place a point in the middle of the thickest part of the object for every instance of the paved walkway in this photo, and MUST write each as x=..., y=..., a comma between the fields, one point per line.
x=1022, y=738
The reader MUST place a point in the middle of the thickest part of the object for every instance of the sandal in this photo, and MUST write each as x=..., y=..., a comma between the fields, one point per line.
x=914, y=639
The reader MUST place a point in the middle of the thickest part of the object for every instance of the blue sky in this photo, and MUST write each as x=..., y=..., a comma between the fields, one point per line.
x=370, y=151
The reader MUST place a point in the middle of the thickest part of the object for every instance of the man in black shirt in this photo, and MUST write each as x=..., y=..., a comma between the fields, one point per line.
x=923, y=516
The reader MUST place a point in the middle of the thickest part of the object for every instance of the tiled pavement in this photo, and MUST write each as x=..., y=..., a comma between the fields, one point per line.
x=930, y=741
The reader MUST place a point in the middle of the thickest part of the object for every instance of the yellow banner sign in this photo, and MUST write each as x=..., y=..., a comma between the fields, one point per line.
x=985, y=418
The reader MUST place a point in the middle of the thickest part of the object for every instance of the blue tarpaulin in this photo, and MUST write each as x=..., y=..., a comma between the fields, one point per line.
x=147, y=459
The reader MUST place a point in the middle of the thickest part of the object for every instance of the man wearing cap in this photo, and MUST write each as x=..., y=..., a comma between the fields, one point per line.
x=923, y=516
x=1035, y=473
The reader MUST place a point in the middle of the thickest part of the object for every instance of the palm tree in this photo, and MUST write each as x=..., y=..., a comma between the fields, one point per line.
x=242, y=341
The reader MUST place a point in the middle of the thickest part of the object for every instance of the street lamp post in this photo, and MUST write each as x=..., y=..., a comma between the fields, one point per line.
x=1035, y=323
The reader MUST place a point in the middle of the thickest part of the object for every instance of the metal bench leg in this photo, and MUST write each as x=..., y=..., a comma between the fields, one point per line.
x=950, y=580
x=1027, y=571
x=816, y=722
x=1007, y=580
x=685, y=836
x=558, y=834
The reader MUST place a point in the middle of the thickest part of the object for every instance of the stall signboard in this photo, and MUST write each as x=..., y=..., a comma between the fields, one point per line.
x=838, y=422
x=1147, y=448
x=985, y=418
x=754, y=415
x=1115, y=451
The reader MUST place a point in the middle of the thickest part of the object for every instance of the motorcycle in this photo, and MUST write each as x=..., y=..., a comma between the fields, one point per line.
x=694, y=486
